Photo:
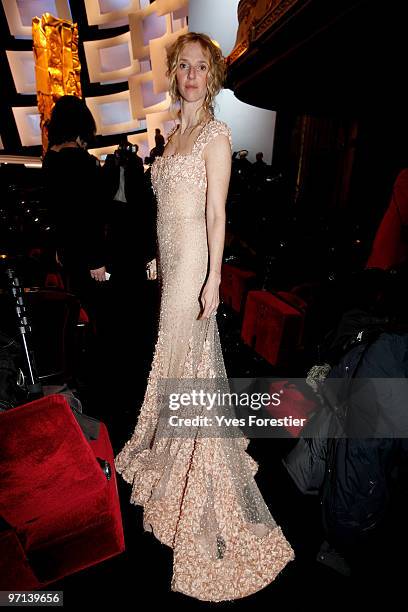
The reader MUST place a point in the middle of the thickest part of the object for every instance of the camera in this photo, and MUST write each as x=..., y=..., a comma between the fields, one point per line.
x=122, y=155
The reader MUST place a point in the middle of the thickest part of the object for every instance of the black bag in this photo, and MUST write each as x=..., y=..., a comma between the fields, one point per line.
x=307, y=462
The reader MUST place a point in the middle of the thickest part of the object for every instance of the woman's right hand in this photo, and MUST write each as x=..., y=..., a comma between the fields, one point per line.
x=151, y=269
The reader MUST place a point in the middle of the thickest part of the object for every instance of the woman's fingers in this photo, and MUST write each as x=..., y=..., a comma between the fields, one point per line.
x=202, y=314
x=208, y=309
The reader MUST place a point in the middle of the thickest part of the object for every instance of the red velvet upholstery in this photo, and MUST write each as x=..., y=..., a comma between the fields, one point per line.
x=271, y=326
x=292, y=299
x=234, y=283
x=389, y=249
x=53, y=280
x=63, y=513
x=292, y=403
x=83, y=316
x=16, y=572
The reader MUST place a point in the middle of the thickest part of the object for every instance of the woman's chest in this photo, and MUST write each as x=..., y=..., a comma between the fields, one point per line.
x=178, y=173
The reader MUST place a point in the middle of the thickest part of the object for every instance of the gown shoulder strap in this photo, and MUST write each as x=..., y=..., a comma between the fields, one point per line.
x=210, y=131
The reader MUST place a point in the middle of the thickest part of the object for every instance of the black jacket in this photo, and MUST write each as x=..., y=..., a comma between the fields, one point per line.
x=133, y=175
x=76, y=201
x=358, y=482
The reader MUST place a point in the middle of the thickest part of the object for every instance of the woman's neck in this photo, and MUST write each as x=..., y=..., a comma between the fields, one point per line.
x=63, y=145
x=191, y=116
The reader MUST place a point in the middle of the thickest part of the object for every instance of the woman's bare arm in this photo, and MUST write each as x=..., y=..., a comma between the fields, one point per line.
x=217, y=156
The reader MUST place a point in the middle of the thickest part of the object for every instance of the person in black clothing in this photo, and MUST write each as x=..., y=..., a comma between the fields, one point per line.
x=259, y=170
x=243, y=165
x=158, y=149
x=74, y=195
x=123, y=173
x=159, y=140
x=354, y=450
x=132, y=245
x=130, y=217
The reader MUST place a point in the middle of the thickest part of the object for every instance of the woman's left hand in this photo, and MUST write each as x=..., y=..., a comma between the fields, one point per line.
x=151, y=269
x=98, y=274
x=210, y=296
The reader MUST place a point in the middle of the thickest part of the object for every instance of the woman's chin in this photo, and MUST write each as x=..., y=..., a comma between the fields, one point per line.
x=192, y=96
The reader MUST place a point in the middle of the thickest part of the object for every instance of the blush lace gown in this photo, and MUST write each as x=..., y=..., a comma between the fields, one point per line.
x=198, y=492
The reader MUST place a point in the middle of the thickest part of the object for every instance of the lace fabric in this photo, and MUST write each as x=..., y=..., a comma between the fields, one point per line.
x=198, y=492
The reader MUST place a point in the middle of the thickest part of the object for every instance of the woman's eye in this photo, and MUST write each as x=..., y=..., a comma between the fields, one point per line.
x=182, y=66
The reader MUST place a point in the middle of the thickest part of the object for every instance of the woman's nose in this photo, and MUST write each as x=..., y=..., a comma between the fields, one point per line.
x=191, y=72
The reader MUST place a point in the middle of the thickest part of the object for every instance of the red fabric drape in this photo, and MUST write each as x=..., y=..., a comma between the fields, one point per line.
x=389, y=249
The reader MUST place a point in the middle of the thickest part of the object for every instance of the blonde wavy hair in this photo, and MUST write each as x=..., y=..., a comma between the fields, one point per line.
x=216, y=72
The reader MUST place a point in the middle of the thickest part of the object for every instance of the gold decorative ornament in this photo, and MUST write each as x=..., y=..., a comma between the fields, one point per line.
x=255, y=17
x=57, y=65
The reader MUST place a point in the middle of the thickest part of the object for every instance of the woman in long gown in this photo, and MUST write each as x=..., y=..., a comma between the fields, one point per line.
x=198, y=491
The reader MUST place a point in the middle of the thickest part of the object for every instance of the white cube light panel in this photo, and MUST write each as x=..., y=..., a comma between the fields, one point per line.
x=110, y=59
x=158, y=59
x=23, y=71
x=169, y=6
x=111, y=13
x=148, y=26
x=19, y=14
x=144, y=27
x=109, y=6
x=137, y=56
x=27, y=119
x=112, y=114
x=143, y=98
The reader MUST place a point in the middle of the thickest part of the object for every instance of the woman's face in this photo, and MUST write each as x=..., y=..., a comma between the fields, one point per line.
x=192, y=72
